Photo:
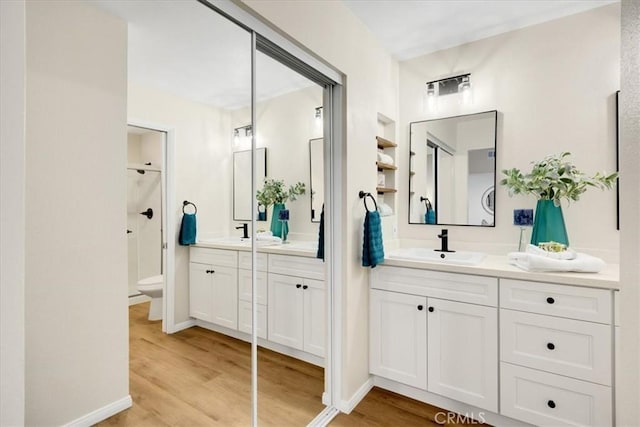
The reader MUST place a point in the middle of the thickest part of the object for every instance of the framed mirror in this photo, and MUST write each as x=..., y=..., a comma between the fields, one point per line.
x=316, y=171
x=452, y=174
x=242, y=196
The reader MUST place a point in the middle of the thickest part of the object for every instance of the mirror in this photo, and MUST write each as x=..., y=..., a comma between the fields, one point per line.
x=242, y=197
x=453, y=170
x=316, y=171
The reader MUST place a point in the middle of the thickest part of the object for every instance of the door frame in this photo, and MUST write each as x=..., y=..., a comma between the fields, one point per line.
x=168, y=221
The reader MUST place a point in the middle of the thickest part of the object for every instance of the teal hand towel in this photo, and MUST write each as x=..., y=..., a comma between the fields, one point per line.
x=187, y=230
x=320, y=253
x=372, y=248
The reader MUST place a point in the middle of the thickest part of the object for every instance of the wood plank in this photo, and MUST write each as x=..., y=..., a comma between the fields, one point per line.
x=197, y=377
x=385, y=143
x=386, y=166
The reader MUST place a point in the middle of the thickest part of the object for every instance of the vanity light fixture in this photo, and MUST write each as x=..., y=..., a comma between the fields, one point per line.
x=459, y=84
x=431, y=98
x=240, y=138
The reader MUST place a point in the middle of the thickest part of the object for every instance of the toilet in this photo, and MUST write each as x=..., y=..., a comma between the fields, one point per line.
x=152, y=287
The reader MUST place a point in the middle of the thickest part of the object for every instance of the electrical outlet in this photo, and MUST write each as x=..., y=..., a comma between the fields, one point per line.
x=523, y=217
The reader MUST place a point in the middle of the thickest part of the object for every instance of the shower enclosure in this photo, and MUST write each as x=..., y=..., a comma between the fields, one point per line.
x=144, y=224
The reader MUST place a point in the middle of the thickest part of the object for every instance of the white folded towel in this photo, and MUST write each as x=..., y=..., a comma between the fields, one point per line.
x=267, y=236
x=385, y=158
x=568, y=254
x=385, y=209
x=582, y=263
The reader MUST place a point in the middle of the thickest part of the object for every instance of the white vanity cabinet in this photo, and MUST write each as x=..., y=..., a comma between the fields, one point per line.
x=296, y=303
x=556, y=354
x=245, y=292
x=419, y=338
x=398, y=339
x=213, y=286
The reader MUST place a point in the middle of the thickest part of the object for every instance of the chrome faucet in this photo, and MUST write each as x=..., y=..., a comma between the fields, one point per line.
x=444, y=241
x=245, y=230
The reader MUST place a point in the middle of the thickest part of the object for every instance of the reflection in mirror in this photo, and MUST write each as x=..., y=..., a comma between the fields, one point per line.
x=242, y=183
x=452, y=172
x=316, y=156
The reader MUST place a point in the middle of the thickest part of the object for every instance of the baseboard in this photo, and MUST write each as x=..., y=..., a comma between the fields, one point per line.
x=347, y=406
x=181, y=326
x=138, y=299
x=102, y=414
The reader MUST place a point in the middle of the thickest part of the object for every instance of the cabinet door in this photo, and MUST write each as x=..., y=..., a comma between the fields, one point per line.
x=463, y=352
x=200, y=292
x=225, y=296
x=285, y=310
x=245, y=318
x=314, y=316
x=398, y=337
x=244, y=286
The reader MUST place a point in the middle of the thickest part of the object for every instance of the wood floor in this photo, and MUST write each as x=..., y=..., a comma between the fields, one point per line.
x=197, y=377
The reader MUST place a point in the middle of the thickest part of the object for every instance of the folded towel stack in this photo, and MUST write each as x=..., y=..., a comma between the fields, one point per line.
x=372, y=247
x=267, y=236
x=580, y=263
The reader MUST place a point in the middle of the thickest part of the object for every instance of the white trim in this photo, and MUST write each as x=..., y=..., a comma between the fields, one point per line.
x=168, y=220
x=103, y=413
x=172, y=329
x=324, y=417
x=138, y=299
x=347, y=406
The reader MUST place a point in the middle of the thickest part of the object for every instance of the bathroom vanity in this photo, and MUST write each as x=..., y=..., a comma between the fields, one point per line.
x=290, y=296
x=493, y=341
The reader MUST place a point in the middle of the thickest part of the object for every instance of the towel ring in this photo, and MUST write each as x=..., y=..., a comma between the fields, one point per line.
x=427, y=203
x=187, y=203
x=364, y=195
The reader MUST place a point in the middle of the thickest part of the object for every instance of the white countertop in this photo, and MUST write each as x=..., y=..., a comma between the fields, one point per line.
x=497, y=266
x=492, y=266
x=295, y=248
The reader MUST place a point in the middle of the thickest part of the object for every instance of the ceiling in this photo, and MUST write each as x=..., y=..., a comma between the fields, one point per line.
x=410, y=28
x=181, y=48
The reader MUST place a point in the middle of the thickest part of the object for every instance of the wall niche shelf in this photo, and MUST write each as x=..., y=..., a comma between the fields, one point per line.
x=385, y=166
x=385, y=143
x=382, y=190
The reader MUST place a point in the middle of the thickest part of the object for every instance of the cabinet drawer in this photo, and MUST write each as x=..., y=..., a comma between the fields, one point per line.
x=210, y=256
x=244, y=261
x=244, y=286
x=452, y=286
x=244, y=318
x=563, y=346
x=546, y=399
x=311, y=268
x=556, y=300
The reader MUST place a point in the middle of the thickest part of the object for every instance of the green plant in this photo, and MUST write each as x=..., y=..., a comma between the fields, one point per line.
x=555, y=178
x=274, y=191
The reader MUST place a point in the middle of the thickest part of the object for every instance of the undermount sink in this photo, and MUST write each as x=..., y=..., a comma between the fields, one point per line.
x=430, y=255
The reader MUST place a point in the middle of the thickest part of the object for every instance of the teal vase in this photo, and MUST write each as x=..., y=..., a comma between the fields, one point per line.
x=276, y=224
x=548, y=224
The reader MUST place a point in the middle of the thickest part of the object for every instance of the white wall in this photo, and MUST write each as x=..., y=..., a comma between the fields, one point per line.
x=203, y=167
x=331, y=31
x=12, y=210
x=75, y=259
x=285, y=124
x=628, y=392
x=554, y=86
